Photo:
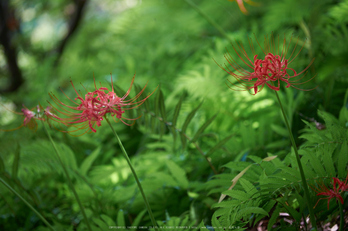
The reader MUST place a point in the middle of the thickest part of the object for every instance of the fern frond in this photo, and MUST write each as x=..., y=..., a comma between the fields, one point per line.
x=339, y=12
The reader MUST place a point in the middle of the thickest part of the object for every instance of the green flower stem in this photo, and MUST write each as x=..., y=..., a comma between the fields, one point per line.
x=69, y=180
x=341, y=216
x=134, y=174
x=303, y=178
x=27, y=203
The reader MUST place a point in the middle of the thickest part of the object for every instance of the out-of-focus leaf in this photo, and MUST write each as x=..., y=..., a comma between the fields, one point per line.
x=101, y=224
x=15, y=163
x=219, y=145
x=177, y=111
x=343, y=160
x=202, y=128
x=108, y=220
x=87, y=163
x=280, y=130
x=161, y=106
x=178, y=174
x=137, y=220
x=120, y=219
x=2, y=165
x=186, y=123
x=251, y=210
x=327, y=159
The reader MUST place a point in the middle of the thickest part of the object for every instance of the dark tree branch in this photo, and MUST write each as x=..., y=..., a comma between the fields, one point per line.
x=73, y=25
x=8, y=24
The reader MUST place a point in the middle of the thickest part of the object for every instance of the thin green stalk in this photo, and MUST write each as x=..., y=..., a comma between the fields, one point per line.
x=69, y=180
x=341, y=216
x=219, y=28
x=134, y=174
x=27, y=203
x=303, y=178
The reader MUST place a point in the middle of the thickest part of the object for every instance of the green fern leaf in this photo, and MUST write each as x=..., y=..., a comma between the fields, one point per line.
x=87, y=163
x=340, y=11
x=226, y=204
x=178, y=174
x=250, y=210
x=215, y=222
x=268, y=207
x=120, y=218
x=248, y=187
x=256, y=159
x=283, y=178
x=157, y=102
x=296, y=215
x=175, y=118
x=326, y=152
x=294, y=174
x=273, y=218
x=107, y=220
x=186, y=123
x=248, y=137
x=235, y=180
x=67, y=156
x=343, y=160
x=315, y=162
x=219, y=145
x=202, y=128
x=137, y=220
x=237, y=194
x=200, y=225
x=280, y=130
x=101, y=224
x=161, y=106
x=177, y=111
x=278, y=144
x=308, y=170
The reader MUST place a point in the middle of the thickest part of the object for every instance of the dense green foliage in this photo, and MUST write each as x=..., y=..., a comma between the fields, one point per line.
x=195, y=135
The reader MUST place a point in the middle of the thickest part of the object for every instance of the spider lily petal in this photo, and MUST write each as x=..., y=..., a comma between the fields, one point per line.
x=241, y=5
x=332, y=193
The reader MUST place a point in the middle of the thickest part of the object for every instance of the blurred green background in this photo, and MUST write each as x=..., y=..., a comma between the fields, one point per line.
x=167, y=43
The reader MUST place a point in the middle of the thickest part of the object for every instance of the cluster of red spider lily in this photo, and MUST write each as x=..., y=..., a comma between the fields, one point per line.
x=339, y=187
x=269, y=71
x=88, y=110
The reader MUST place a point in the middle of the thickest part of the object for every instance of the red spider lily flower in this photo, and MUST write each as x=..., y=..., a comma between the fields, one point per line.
x=269, y=71
x=241, y=5
x=90, y=110
x=332, y=193
x=84, y=115
x=30, y=117
x=343, y=186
